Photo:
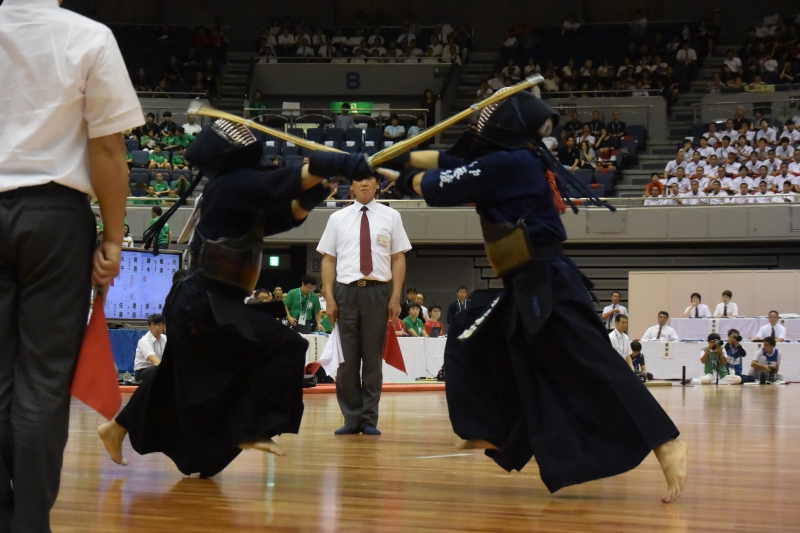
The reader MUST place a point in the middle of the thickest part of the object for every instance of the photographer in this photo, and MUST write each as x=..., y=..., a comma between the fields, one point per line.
x=715, y=360
x=735, y=353
x=637, y=359
x=766, y=363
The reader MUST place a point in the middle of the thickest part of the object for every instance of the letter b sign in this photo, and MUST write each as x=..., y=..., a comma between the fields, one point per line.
x=353, y=80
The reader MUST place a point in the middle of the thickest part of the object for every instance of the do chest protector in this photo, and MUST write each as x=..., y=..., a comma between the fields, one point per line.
x=234, y=261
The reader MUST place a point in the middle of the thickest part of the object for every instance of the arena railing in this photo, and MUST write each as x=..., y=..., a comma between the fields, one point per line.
x=609, y=92
x=306, y=117
x=777, y=88
x=167, y=95
x=724, y=111
x=565, y=110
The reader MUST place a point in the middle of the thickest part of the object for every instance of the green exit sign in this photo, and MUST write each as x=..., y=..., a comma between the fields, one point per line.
x=274, y=261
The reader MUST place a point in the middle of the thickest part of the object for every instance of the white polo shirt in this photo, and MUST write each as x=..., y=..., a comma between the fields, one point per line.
x=192, y=129
x=718, y=199
x=706, y=152
x=690, y=198
x=769, y=135
x=148, y=345
x=672, y=167
x=733, y=309
x=342, y=239
x=64, y=82
x=620, y=343
x=765, y=198
x=702, y=311
x=766, y=331
x=667, y=334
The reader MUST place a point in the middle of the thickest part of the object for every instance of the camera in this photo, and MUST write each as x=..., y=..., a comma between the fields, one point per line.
x=719, y=344
x=737, y=338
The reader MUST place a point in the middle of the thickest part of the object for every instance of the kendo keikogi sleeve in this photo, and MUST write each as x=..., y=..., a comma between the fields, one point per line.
x=468, y=182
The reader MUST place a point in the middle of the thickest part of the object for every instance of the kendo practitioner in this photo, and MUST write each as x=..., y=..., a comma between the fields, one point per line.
x=530, y=369
x=231, y=375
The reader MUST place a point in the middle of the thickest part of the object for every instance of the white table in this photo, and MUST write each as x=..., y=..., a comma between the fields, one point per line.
x=665, y=359
x=423, y=357
x=699, y=328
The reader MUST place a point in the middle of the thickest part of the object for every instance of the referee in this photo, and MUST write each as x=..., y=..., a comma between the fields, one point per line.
x=363, y=262
x=66, y=98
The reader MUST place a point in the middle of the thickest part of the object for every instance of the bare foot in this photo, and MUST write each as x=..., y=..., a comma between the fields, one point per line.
x=476, y=444
x=112, y=435
x=673, y=456
x=268, y=446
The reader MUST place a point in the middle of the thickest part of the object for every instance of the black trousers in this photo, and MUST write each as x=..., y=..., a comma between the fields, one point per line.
x=363, y=314
x=144, y=373
x=47, y=237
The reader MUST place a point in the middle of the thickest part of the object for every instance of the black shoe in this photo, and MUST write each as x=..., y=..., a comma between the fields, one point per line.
x=346, y=430
x=369, y=429
x=763, y=378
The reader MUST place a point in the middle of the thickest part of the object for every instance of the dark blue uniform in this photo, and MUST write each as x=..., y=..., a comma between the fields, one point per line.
x=231, y=373
x=531, y=369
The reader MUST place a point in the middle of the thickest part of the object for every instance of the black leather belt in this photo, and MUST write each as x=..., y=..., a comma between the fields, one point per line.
x=366, y=283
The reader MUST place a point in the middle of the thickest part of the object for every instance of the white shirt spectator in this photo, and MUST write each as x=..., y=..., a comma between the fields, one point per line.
x=672, y=167
x=794, y=168
x=404, y=39
x=708, y=151
x=793, y=136
x=511, y=72
x=342, y=240
x=740, y=198
x=733, y=135
x=744, y=153
x=732, y=309
x=437, y=49
x=702, y=311
x=326, y=51
x=718, y=198
x=735, y=64
x=691, y=198
x=148, y=345
x=496, y=84
x=621, y=343
x=532, y=69
x=569, y=25
x=713, y=138
x=652, y=201
x=588, y=138
x=738, y=181
x=286, y=39
x=340, y=39
x=686, y=55
x=192, y=129
x=777, y=181
x=766, y=331
x=610, y=319
x=769, y=135
x=305, y=51
x=691, y=168
x=722, y=153
x=511, y=41
x=684, y=185
x=381, y=50
x=667, y=334
x=57, y=132
x=481, y=94
x=429, y=60
x=732, y=169
x=754, y=166
x=765, y=198
x=788, y=153
x=770, y=65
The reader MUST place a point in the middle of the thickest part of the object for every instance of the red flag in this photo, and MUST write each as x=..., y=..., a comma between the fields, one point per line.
x=391, y=350
x=95, y=382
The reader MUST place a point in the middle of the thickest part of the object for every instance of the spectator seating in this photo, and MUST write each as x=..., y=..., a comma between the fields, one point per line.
x=335, y=135
x=297, y=132
x=132, y=145
x=354, y=134
x=293, y=160
x=270, y=150
x=374, y=135
x=290, y=151
x=140, y=175
x=181, y=172
x=140, y=158
x=316, y=135
x=585, y=177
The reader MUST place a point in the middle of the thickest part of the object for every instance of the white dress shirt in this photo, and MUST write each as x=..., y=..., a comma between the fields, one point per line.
x=192, y=129
x=733, y=309
x=147, y=346
x=342, y=239
x=667, y=334
x=766, y=331
x=702, y=311
x=769, y=135
x=718, y=198
x=621, y=343
x=610, y=319
x=64, y=82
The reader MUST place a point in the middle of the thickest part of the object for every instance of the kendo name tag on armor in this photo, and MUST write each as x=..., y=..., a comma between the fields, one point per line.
x=301, y=320
x=383, y=239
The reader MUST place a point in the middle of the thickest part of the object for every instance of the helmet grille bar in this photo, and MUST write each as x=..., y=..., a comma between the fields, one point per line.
x=489, y=110
x=236, y=133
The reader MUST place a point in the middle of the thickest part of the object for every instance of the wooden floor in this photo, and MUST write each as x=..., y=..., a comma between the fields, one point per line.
x=744, y=476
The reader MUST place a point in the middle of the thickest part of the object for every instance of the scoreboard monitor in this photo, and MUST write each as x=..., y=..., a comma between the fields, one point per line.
x=142, y=285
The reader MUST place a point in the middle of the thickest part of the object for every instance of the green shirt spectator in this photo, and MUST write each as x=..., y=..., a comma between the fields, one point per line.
x=413, y=324
x=326, y=324
x=158, y=157
x=165, y=235
x=172, y=141
x=178, y=161
x=302, y=305
x=161, y=187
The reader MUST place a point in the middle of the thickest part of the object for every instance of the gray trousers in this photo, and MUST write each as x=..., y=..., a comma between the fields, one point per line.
x=363, y=315
x=47, y=236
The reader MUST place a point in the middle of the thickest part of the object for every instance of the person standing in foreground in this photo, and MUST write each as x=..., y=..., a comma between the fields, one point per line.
x=67, y=99
x=363, y=268
x=594, y=420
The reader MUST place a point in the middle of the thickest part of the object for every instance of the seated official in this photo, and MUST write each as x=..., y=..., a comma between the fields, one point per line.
x=735, y=352
x=774, y=329
x=302, y=306
x=414, y=325
x=716, y=363
x=766, y=363
x=327, y=325
x=661, y=331
x=697, y=309
x=619, y=340
x=150, y=348
x=727, y=308
x=399, y=328
x=435, y=314
x=637, y=360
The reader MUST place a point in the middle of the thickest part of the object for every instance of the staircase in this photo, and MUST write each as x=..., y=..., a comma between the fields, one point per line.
x=233, y=84
x=637, y=174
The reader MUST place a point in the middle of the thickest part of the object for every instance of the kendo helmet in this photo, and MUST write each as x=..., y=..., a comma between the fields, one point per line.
x=222, y=146
x=511, y=124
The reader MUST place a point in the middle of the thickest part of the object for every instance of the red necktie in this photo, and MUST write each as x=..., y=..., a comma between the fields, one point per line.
x=696, y=313
x=366, y=247
x=659, y=333
x=773, y=332
x=725, y=311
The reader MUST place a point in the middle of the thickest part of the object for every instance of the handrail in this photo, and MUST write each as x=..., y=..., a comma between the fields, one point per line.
x=384, y=60
x=378, y=115
x=192, y=96
x=778, y=88
x=606, y=92
x=570, y=108
x=697, y=109
x=618, y=23
x=448, y=79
